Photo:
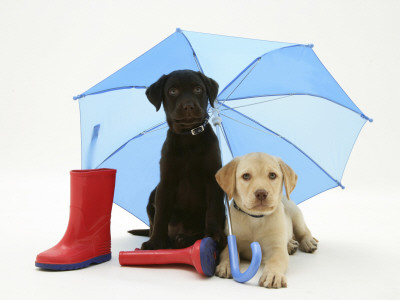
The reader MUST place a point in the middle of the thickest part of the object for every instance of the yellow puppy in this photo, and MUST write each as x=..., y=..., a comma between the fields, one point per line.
x=260, y=212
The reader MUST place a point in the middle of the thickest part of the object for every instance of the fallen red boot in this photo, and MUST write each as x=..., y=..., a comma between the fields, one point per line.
x=87, y=239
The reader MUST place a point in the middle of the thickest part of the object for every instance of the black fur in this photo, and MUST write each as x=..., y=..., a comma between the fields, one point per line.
x=187, y=204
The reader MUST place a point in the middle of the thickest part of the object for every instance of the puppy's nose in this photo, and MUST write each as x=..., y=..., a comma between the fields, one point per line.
x=261, y=194
x=188, y=106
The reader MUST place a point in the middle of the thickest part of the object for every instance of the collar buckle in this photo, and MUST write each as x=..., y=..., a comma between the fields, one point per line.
x=197, y=130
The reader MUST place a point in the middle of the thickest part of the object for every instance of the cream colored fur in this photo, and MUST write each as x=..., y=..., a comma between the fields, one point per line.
x=282, y=229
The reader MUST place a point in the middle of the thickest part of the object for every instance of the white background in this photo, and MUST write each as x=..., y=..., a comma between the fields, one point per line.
x=53, y=50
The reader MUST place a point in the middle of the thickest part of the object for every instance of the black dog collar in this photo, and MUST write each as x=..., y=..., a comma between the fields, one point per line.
x=197, y=130
x=238, y=208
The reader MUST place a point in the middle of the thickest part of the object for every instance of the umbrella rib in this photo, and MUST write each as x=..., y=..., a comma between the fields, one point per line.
x=258, y=102
x=248, y=73
x=226, y=139
x=254, y=63
x=298, y=94
x=194, y=53
x=150, y=130
x=286, y=140
x=110, y=90
x=263, y=131
x=83, y=95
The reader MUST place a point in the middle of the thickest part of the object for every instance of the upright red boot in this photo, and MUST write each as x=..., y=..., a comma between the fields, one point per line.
x=87, y=239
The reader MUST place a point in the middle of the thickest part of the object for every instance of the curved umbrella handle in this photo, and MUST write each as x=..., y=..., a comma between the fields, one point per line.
x=234, y=260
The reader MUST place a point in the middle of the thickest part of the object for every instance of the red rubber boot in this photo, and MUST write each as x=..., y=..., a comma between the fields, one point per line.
x=87, y=239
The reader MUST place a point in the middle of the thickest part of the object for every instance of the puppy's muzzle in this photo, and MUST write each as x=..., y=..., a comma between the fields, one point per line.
x=189, y=110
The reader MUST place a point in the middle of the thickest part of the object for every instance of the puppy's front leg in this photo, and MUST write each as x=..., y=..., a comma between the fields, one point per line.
x=276, y=261
x=303, y=235
x=215, y=214
x=223, y=269
x=164, y=200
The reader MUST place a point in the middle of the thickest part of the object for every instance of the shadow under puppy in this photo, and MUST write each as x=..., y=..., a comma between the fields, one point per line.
x=187, y=204
x=260, y=212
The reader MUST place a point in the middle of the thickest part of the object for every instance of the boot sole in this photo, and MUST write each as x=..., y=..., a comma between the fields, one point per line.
x=65, y=267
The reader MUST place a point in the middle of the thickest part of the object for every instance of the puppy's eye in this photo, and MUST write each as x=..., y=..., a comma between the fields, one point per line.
x=173, y=91
x=246, y=176
x=197, y=90
x=272, y=175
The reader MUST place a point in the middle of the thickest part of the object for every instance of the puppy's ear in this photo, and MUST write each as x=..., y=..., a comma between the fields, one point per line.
x=289, y=177
x=226, y=177
x=211, y=86
x=155, y=92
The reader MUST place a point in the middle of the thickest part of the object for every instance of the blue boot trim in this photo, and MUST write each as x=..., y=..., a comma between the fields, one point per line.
x=65, y=267
x=208, y=256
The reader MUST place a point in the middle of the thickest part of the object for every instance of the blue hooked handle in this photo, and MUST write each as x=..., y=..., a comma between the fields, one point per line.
x=234, y=260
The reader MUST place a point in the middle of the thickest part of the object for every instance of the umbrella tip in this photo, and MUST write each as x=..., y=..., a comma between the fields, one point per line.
x=366, y=118
x=178, y=30
x=78, y=96
x=310, y=45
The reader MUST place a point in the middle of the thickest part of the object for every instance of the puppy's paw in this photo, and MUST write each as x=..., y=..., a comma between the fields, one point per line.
x=273, y=280
x=223, y=270
x=292, y=246
x=154, y=245
x=219, y=237
x=309, y=244
x=181, y=241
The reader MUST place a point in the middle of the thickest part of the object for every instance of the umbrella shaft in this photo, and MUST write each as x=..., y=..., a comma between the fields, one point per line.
x=228, y=215
x=217, y=125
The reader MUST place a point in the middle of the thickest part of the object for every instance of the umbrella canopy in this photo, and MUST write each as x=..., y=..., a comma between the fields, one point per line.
x=274, y=97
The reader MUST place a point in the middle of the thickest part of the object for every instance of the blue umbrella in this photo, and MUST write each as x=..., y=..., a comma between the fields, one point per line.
x=274, y=97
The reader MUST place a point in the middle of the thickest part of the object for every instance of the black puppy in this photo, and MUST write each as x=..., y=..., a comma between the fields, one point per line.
x=187, y=204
